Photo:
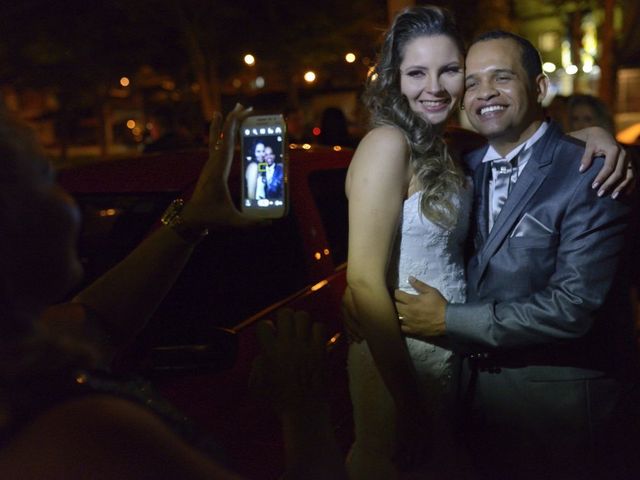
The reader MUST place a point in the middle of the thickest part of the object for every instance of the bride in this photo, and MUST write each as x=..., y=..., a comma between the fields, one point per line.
x=409, y=209
x=403, y=175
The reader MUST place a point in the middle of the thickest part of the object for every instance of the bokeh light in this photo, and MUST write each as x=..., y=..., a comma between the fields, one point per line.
x=549, y=67
x=571, y=69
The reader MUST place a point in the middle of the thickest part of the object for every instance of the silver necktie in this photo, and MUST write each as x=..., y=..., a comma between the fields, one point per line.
x=502, y=181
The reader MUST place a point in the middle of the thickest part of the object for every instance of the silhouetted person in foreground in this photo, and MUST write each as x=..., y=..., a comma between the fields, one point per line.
x=63, y=414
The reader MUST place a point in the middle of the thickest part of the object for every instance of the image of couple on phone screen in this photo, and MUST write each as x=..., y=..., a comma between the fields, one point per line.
x=264, y=174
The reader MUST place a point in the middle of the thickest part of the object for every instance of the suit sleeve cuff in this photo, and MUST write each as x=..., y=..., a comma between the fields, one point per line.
x=469, y=322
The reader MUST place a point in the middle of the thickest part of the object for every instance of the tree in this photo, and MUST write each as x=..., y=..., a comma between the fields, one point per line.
x=293, y=38
x=80, y=49
x=73, y=48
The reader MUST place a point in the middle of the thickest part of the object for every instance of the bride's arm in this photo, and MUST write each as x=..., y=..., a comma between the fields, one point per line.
x=616, y=175
x=376, y=187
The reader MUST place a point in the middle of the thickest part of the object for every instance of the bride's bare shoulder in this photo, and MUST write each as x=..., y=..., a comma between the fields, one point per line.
x=385, y=133
x=385, y=142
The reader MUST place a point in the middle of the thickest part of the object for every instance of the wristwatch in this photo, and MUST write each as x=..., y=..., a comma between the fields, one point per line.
x=172, y=218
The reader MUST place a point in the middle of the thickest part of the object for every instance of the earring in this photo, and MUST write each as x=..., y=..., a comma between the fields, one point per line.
x=461, y=106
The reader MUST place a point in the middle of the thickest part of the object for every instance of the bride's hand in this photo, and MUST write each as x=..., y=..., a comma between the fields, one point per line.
x=413, y=440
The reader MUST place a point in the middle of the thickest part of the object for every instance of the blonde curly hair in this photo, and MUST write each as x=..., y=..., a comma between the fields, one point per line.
x=438, y=174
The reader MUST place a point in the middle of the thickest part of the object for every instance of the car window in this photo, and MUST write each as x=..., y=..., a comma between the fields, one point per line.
x=112, y=226
x=327, y=189
x=231, y=275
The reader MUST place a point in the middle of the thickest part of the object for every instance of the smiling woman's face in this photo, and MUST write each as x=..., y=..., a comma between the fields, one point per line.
x=432, y=77
x=259, y=152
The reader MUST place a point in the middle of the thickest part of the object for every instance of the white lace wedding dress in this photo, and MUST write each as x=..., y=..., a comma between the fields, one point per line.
x=435, y=256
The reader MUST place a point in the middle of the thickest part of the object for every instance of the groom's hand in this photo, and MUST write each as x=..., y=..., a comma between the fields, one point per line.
x=421, y=315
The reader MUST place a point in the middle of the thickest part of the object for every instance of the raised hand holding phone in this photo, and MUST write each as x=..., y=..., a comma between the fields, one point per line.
x=211, y=206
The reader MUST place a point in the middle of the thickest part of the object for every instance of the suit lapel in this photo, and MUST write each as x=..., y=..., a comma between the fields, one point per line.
x=482, y=198
x=531, y=178
x=480, y=191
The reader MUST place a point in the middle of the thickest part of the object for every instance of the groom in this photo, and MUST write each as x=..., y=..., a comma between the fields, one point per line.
x=544, y=368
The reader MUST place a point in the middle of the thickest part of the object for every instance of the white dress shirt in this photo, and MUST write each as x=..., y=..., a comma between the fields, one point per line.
x=524, y=151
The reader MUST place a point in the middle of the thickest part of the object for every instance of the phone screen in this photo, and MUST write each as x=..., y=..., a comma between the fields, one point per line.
x=264, y=166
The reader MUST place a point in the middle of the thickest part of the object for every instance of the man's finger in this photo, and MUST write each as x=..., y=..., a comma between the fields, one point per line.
x=420, y=286
x=403, y=297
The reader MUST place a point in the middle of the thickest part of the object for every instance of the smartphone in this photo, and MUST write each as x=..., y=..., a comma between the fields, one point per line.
x=265, y=166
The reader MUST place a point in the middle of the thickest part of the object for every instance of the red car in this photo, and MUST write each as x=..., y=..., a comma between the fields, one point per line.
x=199, y=346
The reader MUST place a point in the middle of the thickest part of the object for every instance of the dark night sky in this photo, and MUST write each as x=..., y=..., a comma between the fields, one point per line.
x=94, y=37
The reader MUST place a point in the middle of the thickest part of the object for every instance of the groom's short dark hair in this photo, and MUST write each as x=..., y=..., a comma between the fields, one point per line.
x=530, y=56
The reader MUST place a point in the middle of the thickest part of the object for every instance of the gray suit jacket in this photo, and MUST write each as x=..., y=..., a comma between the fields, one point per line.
x=537, y=288
x=536, y=282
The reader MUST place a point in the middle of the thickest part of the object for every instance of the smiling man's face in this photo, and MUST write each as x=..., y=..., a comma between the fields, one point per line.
x=502, y=103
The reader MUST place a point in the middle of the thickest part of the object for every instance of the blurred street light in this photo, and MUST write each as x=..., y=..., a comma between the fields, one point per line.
x=310, y=76
x=124, y=81
x=571, y=69
x=249, y=59
x=350, y=57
